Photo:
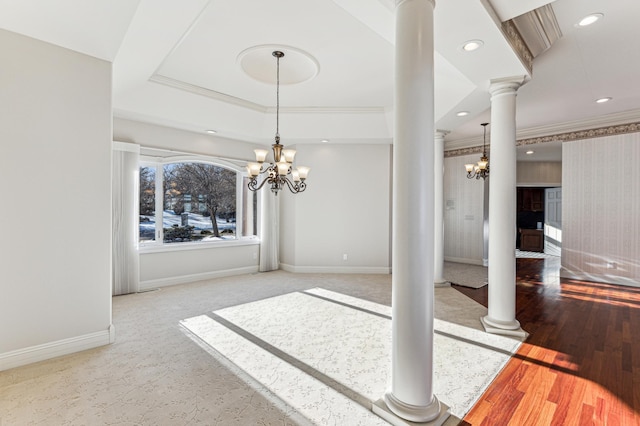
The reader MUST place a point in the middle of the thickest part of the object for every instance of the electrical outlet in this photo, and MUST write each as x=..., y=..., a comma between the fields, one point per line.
x=611, y=265
x=255, y=256
x=345, y=256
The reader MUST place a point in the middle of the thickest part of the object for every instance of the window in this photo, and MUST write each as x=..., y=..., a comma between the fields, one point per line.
x=147, y=203
x=194, y=201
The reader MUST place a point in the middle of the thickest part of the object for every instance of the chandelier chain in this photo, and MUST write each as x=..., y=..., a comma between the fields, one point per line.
x=481, y=169
x=484, y=139
x=278, y=97
x=281, y=172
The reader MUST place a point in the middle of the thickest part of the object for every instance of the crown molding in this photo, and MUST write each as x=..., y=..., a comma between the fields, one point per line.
x=197, y=90
x=619, y=124
x=518, y=44
x=608, y=120
x=584, y=134
x=191, y=88
x=464, y=151
x=329, y=110
x=539, y=28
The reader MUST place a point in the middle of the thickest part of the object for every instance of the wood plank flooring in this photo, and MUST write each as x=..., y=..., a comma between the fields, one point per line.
x=581, y=362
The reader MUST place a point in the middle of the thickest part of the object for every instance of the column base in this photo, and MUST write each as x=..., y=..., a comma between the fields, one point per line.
x=441, y=282
x=381, y=409
x=505, y=328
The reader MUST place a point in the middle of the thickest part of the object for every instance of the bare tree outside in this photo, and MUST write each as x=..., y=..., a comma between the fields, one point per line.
x=204, y=187
x=147, y=190
x=147, y=203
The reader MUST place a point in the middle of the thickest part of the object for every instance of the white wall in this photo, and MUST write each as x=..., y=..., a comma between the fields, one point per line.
x=55, y=128
x=463, y=212
x=601, y=201
x=346, y=209
x=184, y=263
x=189, y=263
x=168, y=138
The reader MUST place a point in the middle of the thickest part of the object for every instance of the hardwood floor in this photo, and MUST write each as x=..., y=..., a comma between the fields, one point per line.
x=581, y=362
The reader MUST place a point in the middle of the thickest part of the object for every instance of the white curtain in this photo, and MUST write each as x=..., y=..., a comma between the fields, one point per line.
x=269, y=240
x=125, y=205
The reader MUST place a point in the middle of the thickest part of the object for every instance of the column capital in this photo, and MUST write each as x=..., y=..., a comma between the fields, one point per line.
x=507, y=85
x=433, y=2
x=441, y=133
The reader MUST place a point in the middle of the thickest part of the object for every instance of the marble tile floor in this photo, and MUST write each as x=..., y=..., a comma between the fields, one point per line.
x=533, y=255
x=327, y=377
x=158, y=373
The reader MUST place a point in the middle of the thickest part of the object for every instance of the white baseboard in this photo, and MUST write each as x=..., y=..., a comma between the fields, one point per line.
x=50, y=350
x=336, y=269
x=183, y=279
x=465, y=260
x=598, y=278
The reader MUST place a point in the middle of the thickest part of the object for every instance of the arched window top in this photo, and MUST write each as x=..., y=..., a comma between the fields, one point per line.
x=193, y=199
x=238, y=167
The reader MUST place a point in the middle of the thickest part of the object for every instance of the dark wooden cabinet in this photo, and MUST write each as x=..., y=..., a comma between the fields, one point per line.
x=530, y=199
x=537, y=200
x=530, y=216
x=532, y=240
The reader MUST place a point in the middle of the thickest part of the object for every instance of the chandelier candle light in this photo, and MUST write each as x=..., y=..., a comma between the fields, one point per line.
x=480, y=170
x=281, y=171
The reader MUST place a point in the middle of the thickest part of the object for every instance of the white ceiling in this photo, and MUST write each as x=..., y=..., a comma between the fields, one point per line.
x=176, y=63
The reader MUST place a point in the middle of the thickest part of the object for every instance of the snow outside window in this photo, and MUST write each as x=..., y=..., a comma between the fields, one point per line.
x=194, y=202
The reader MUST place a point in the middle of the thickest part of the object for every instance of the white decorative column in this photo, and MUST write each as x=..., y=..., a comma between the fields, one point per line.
x=501, y=318
x=438, y=216
x=410, y=396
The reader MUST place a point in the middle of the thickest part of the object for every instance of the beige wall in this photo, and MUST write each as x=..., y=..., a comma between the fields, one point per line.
x=168, y=266
x=55, y=130
x=161, y=137
x=601, y=201
x=346, y=209
x=539, y=173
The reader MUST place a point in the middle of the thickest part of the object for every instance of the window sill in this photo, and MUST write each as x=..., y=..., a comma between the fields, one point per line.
x=159, y=248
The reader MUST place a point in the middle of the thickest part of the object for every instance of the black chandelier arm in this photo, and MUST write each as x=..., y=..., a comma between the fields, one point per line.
x=267, y=169
x=253, y=183
x=294, y=188
x=478, y=174
x=272, y=171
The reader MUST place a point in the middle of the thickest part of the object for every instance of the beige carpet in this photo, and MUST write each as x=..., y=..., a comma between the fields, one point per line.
x=155, y=374
x=467, y=275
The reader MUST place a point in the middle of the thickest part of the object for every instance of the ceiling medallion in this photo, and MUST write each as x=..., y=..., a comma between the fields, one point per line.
x=281, y=172
x=257, y=63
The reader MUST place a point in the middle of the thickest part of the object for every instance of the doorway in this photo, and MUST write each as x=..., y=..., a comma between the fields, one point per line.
x=539, y=220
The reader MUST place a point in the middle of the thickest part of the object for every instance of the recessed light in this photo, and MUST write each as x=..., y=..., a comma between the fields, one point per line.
x=589, y=19
x=471, y=45
x=324, y=140
x=211, y=132
x=603, y=100
x=462, y=113
x=529, y=152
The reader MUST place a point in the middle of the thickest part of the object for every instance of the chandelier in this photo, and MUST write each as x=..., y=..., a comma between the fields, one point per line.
x=481, y=169
x=280, y=173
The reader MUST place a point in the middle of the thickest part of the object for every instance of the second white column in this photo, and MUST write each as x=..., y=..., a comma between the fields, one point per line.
x=501, y=318
x=411, y=394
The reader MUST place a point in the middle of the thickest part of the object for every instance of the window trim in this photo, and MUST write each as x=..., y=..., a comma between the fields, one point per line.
x=158, y=245
x=161, y=247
